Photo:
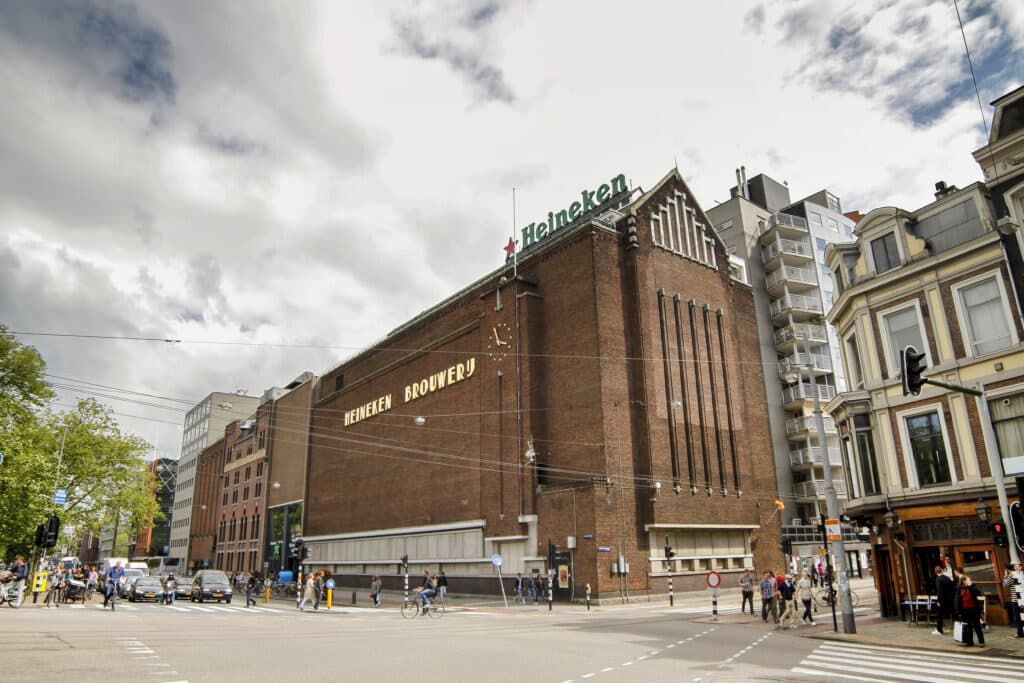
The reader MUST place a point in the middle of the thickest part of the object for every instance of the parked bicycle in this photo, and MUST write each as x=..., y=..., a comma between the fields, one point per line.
x=413, y=606
x=826, y=596
x=283, y=590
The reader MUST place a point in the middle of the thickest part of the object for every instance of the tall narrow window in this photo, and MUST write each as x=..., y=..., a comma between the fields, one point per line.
x=1008, y=420
x=869, y=475
x=903, y=330
x=853, y=366
x=929, y=449
x=885, y=253
x=988, y=326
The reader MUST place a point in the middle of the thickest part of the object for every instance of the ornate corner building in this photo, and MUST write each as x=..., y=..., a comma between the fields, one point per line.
x=945, y=279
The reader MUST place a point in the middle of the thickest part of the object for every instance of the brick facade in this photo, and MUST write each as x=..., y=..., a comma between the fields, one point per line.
x=581, y=385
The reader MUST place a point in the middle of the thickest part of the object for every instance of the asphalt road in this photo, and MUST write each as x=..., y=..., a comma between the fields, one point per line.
x=231, y=643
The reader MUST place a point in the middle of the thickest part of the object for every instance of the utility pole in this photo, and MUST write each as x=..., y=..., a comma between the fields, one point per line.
x=831, y=502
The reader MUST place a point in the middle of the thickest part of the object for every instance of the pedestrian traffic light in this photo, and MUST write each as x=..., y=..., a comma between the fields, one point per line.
x=912, y=365
x=999, y=537
x=52, y=531
x=295, y=549
x=787, y=546
x=405, y=561
x=303, y=552
x=669, y=553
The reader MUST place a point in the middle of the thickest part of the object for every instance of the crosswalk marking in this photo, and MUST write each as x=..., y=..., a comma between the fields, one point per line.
x=854, y=661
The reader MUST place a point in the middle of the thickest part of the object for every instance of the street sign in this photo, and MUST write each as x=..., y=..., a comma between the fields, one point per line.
x=61, y=497
x=833, y=530
x=714, y=579
x=604, y=549
x=496, y=560
x=329, y=584
x=587, y=537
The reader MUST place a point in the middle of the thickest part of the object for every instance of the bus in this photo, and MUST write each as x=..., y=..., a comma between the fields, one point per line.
x=162, y=566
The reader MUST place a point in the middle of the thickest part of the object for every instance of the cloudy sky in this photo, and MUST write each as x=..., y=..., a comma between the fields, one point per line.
x=279, y=184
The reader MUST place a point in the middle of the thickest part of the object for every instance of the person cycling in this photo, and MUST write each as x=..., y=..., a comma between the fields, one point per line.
x=427, y=590
x=114, y=577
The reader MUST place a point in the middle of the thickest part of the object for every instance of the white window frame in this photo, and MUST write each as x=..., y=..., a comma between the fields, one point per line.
x=870, y=252
x=908, y=454
x=892, y=358
x=966, y=333
x=846, y=357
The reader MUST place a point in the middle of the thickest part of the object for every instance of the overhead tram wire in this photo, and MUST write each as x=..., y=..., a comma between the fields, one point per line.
x=395, y=349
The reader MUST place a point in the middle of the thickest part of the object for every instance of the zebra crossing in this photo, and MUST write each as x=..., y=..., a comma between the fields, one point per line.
x=855, y=662
x=222, y=609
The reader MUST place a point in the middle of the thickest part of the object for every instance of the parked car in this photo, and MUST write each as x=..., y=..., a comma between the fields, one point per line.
x=146, y=588
x=211, y=584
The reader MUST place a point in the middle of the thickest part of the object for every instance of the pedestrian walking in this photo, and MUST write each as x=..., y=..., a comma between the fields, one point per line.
x=250, y=586
x=821, y=573
x=787, y=614
x=54, y=588
x=968, y=606
x=1014, y=580
x=945, y=595
x=92, y=579
x=747, y=590
x=531, y=589
x=19, y=574
x=170, y=585
x=376, y=586
x=308, y=592
x=804, y=592
x=517, y=586
x=442, y=585
x=318, y=583
x=768, y=590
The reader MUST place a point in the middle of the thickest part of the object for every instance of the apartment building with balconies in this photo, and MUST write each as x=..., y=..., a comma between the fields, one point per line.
x=783, y=246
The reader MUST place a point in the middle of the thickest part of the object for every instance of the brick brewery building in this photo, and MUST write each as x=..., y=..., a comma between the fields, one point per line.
x=571, y=412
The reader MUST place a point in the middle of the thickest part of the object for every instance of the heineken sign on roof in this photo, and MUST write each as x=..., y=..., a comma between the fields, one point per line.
x=588, y=201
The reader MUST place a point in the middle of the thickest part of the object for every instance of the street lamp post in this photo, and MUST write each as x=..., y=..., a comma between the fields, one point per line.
x=831, y=503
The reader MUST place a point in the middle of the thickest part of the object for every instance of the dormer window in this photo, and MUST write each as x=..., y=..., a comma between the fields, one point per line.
x=885, y=253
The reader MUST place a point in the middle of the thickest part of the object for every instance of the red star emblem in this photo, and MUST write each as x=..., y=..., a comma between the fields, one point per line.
x=510, y=248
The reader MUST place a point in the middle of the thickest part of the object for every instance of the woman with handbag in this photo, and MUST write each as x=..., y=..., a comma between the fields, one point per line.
x=968, y=606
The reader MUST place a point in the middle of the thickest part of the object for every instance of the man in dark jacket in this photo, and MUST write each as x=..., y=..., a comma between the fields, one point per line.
x=945, y=591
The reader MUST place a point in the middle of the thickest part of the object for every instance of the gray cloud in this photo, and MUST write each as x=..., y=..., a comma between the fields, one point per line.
x=906, y=56
x=754, y=19
x=429, y=38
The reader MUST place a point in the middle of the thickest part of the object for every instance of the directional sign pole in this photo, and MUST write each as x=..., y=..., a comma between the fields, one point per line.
x=496, y=561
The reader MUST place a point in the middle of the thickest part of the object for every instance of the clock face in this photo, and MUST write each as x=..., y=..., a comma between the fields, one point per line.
x=499, y=341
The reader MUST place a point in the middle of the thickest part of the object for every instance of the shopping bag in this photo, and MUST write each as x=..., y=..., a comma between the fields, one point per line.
x=958, y=631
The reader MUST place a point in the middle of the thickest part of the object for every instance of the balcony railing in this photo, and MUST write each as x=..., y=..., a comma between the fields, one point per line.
x=812, y=456
x=790, y=247
x=782, y=219
x=792, y=274
x=816, y=488
x=805, y=303
x=800, y=392
x=799, y=360
x=804, y=424
x=798, y=331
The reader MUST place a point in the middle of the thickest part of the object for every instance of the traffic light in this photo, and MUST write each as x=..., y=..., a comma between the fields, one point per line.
x=40, y=535
x=999, y=537
x=405, y=561
x=52, y=531
x=295, y=549
x=912, y=365
x=787, y=546
x=303, y=552
x=669, y=553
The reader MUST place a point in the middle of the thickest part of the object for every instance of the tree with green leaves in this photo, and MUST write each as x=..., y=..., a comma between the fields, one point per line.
x=100, y=466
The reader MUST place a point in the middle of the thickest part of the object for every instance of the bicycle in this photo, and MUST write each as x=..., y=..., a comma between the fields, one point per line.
x=11, y=594
x=413, y=606
x=112, y=593
x=283, y=591
x=826, y=596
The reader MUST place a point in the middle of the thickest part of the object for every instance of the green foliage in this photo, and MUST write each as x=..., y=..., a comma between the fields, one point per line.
x=102, y=467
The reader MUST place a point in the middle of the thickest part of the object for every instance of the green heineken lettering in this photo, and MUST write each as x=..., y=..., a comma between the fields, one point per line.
x=556, y=220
